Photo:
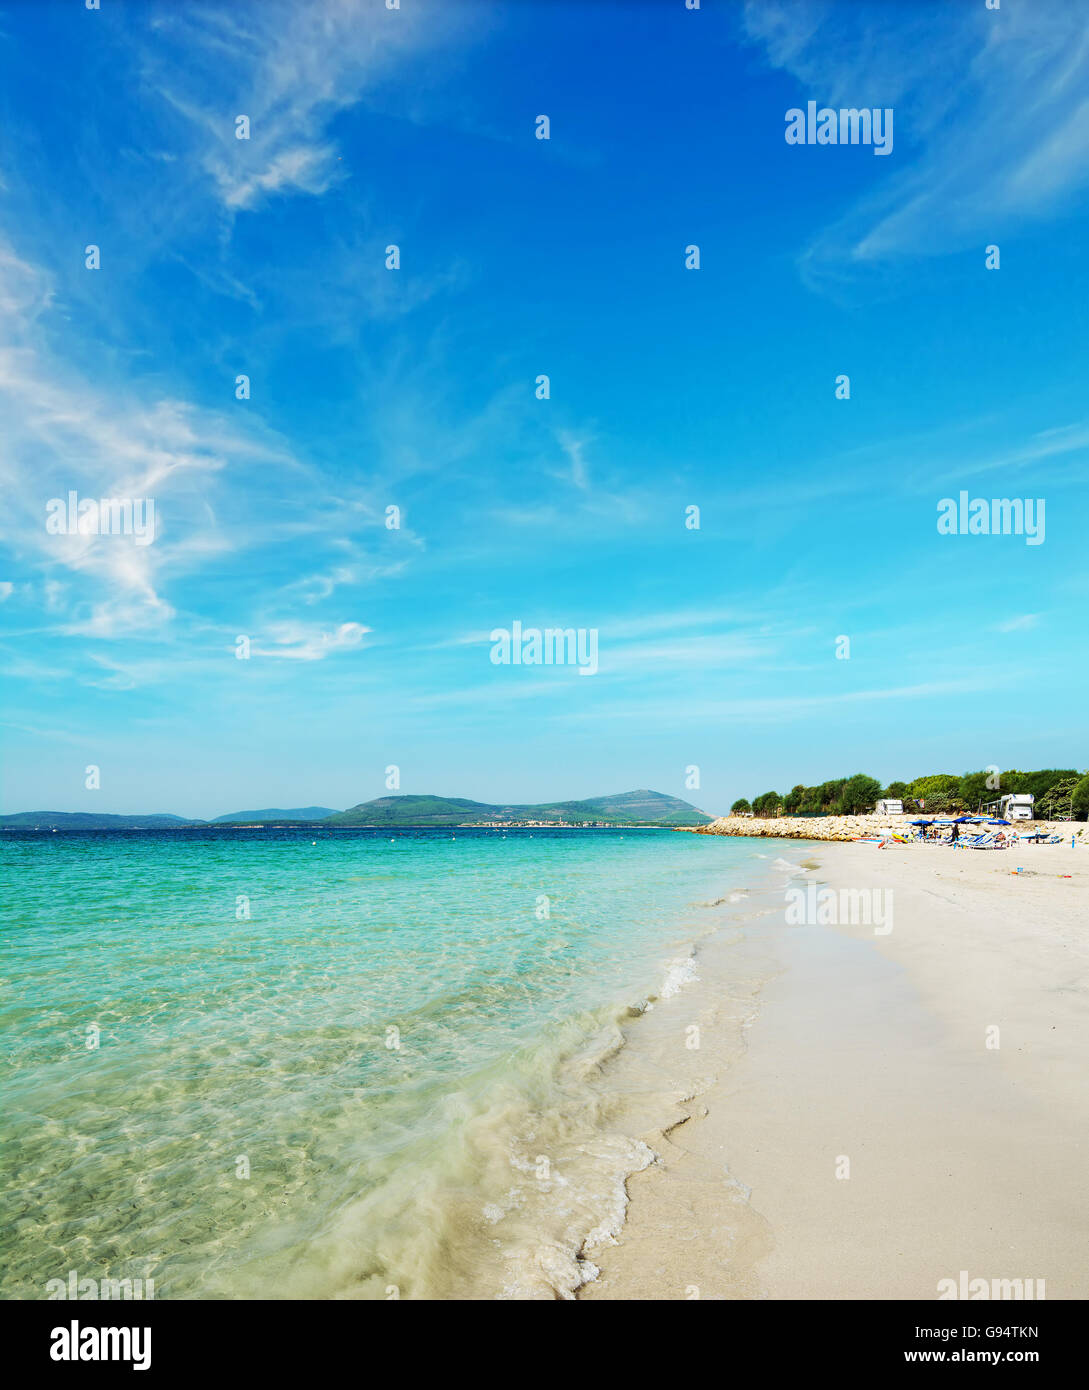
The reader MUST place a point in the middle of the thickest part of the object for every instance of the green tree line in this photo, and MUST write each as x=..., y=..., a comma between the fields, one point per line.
x=1057, y=792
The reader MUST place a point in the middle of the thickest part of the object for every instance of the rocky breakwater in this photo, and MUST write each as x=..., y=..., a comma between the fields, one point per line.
x=854, y=827
x=806, y=827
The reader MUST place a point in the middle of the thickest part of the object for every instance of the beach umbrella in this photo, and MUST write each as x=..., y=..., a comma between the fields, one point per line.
x=921, y=822
x=999, y=822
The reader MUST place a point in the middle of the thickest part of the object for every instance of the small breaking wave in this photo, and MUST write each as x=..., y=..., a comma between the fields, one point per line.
x=681, y=972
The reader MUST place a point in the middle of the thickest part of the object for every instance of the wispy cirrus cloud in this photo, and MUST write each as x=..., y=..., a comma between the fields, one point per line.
x=584, y=496
x=299, y=641
x=783, y=709
x=992, y=121
x=1020, y=623
x=289, y=69
x=67, y=434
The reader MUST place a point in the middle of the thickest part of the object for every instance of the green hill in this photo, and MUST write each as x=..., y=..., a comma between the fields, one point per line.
x=87, y=820
x=625, y=808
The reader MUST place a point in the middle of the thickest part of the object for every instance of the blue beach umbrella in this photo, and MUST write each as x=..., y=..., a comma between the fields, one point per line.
x=998, y=822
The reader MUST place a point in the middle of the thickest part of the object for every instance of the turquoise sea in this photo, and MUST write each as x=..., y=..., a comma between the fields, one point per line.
x=363, y=1064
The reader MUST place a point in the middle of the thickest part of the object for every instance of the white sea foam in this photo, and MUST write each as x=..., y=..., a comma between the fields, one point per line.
x=612, y=1218
x=681, y=972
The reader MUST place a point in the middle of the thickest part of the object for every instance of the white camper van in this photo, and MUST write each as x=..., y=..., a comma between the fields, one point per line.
x=889, y=808
x=1012, y=806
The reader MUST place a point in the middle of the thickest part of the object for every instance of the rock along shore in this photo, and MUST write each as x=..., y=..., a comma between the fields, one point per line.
x=852, y=827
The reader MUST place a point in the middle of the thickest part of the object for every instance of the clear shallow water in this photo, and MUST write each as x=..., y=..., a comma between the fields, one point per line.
x=470, y=1153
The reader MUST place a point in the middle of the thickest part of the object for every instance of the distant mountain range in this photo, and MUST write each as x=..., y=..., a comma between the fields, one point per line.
x=86, y=820
x=625, y=808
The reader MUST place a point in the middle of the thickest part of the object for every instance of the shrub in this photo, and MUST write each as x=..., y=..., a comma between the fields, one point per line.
x=859, y=793
x=1080, y=799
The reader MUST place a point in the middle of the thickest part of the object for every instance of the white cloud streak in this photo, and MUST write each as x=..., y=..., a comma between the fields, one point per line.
x=991, y=109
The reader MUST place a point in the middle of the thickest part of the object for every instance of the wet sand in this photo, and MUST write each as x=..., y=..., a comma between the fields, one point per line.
x=857, y=1132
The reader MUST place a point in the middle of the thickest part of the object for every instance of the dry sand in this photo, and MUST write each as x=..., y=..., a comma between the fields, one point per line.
x=872, y=1051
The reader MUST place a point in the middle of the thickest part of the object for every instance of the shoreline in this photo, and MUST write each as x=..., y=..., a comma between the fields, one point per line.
x=653, y=1084
x=869, y=1140
x=843, y=828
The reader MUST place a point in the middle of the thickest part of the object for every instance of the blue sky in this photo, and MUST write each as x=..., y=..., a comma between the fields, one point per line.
x=415, y=388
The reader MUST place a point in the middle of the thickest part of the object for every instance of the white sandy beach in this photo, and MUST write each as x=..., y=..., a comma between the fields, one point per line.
x=872, y=1051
